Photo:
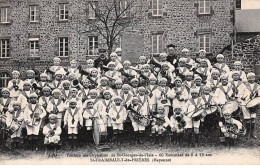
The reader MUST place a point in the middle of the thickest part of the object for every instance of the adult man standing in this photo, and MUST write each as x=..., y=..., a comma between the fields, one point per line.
x=172, y=58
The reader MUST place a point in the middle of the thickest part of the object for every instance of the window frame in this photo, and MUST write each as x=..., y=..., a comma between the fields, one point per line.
x=4, y=78
x=6, y=49
x=92, y=11
x=157, y=8
x=65, y=8
x=35, y=49
x=92, y=48
x=204, y=47
x=158, y=43
x=5, y=14
x=123, y=6
x=36, y=10
x=204, y=7
x=63, y=47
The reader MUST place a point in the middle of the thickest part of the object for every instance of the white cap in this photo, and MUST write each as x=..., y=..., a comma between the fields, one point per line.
x=162, y=79
x=73, y=61
x=182, y=59
x=104, y=78
x=5, y=90
x=185, y=50
x=16, y=72
x=250, y=74
x=90, y=61
x=134, y=79
x=188, y=73
x=30, y=71
x=59, y=72
x=56, y=91
x=107, y=91
x=65, y=81
x=141, y=88
x=94, y=69
x=194, y=90
x=220, y=56
x=214, y=70
x=56, y=59
x=93, y=91
x=237, y=63
x=197, y=77
x=142, y=57
x=52, y=116
x=127, y=62
x=111, y=63
x=163, y=55
x=46, y=88
x=43, y=75
x=125, y=86
x=33, y=95
x=118, y=81
x=113, y=54
x=202, y=51
x=117, y=98
x=178, y=79
x=73, y=100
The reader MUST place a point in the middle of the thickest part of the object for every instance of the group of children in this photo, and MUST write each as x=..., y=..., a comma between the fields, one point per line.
x=185, y=97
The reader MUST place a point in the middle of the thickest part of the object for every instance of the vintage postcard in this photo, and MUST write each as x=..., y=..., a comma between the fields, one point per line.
x=129, y=82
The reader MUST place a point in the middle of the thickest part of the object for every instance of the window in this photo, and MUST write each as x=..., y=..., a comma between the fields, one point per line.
x=204, y=6
x=64, y=47
x=238, y=4
x=4, y=14
x=93, y=45
x=63, y=12
x=5, y=49
x=157, y=43
x=34, y=13
x=124, y=8
x=34, y=47
x=91, y=10
x=157, y=6
x=4, y=79
x=204, y=42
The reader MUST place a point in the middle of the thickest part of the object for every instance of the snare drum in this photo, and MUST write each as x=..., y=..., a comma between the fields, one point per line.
x=99, y=130
x=199, y=115
x=211, y=110
x=230, y=106
x=252, y=105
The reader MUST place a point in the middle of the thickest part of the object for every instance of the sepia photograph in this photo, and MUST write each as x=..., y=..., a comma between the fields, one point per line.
x=129, y=82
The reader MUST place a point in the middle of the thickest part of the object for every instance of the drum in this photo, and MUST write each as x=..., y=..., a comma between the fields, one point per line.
x=13, y=128
x=2, y=121
x=199, y=115
x=252, y=105
x=230, y=106
x=211, y=110
x=99, y=130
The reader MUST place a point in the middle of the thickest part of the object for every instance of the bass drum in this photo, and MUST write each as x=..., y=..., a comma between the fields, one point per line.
x=199, y=115
x=231, y=106
x=252, y=105
x=99, y=131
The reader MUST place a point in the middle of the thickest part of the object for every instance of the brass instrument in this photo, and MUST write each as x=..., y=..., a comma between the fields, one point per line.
x=163, y=97
x=159, y=120
x=15, y=85
x=139, y=118
x=36, y=117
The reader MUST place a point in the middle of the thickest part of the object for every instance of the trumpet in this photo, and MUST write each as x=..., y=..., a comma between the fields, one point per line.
x=164, y=98
x=137, y=117
x=36, y=117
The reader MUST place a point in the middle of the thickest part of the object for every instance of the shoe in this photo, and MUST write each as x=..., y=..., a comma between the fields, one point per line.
x=254, y=136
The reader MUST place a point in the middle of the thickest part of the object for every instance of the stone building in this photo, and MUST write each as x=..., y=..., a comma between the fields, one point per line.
x=32, y=32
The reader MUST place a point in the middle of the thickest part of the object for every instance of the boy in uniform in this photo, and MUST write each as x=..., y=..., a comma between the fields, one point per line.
x=33, y=115
x=5, y=101
x=72, y=121
x=221, y=66
x=15, y=85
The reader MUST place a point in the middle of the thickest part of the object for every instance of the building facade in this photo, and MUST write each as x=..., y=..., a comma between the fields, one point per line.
x=32, y=32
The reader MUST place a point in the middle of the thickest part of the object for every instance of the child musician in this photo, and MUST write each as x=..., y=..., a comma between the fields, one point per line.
x=114, y=58
x=72, y=121
x=56, y=106
x=56, y=67
x=214, y=82
x=30, y=74
x=227, y=124
x=5, y=101
x=127, y=72
x=14, y=119
x=150, y=91
x=251, y=92
x=65, y=90
x=134, y=86
x=56, y=83
x=41, y=84
x=159, y=123
x=118, y=115
x=73, y=70
x=126, y=95
x=194, y=104
x=142, y=60
x=162, y=96
x=25, y=93
x=15, y=85
x=203, y=71
x=177, y=125
x=238, y=67
x=104, y=85
x=181, y=93
x=84, y=92
x=52, y=132
x=224, y=92
x=44, y=100
x=182, y=68
x=33, y=115
x=189, y=81
x=140, y=108
x=112, y=73
x=221, y=66
x=103, y=107
x=118, y=88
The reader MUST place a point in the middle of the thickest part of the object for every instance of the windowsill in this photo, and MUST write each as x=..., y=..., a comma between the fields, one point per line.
x=63, y=57
x=5, y=23
x=4, y=58
x=34, y=22
x=156, y=17
x=206, y=14
x=34, y=58
x=63, y=21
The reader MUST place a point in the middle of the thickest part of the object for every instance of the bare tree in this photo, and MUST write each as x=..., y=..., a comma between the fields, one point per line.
x=111, y=18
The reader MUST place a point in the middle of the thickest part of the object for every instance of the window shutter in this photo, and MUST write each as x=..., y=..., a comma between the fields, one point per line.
x=0, y=15
x=56, y=46
x=38, y=13
x=9, y=17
